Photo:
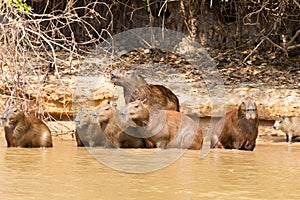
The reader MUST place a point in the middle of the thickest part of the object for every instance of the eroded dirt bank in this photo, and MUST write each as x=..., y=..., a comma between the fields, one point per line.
x=87, y=83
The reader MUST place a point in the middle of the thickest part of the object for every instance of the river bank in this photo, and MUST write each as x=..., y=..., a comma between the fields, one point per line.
x=57, y=95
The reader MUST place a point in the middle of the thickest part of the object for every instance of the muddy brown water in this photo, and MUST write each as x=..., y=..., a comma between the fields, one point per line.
x=271, y=171
x=68, y=172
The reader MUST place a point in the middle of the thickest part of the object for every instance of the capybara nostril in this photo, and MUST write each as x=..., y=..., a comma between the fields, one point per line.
x=4, y=115
x=122, y=112
x=112, y=76
x=3, y=118
x=94, y=114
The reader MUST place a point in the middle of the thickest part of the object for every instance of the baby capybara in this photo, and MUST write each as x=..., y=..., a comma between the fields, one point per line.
x=22, y=130
x=163, y=128
x=238, y=129
x=289, y=125
x=88, y=132
x=108, y=117
x=135, y=87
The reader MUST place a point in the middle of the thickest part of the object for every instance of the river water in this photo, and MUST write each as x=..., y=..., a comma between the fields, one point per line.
x=65, y=171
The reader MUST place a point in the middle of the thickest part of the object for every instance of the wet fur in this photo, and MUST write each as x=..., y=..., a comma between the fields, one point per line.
x=88, y=132
x=110, y=125
x=163, y=128
x=135, y=87
x=235, y=131
x=23, y=130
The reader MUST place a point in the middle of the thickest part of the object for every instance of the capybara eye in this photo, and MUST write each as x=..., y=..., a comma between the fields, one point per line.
x=15, y=110
x=106, y=108
x=136, y=106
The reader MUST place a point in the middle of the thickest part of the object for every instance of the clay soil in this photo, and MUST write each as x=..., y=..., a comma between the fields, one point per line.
x=267, y=70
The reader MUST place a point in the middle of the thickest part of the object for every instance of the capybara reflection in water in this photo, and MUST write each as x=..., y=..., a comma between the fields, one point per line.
x=289, y=125
x=163, y=128
x=238, y=129
x=108, y=117
x=22, y=130
x=88, y=132
x=135, y=87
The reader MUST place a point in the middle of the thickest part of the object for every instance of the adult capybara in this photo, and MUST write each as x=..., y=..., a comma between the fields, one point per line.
x=135, y=87
x=163, y=128
x=108, y=117
x=88, y=132
x=289, y=125
x=238, y=129
x=22, y=130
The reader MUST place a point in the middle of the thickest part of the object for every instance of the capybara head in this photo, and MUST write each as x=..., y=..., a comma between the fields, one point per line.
x=278, y=123
x=248, y=109
x=106, y=112
x=117, y=76
x=136, y=110
x=13, y=114
x=83, y=117
x=123, y=77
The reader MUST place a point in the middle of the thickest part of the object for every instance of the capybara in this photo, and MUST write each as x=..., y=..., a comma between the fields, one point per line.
x=238, y=129
x=22, y=130
x=289, y=125
x=163, y=128
x=135, y=87
x=108, y=117
x=88, y=132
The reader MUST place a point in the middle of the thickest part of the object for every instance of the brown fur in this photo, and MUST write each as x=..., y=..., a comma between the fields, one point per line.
x=88, y=132
x=135, y=87
x=163, y=128
x=129, y=139
x=23, y=130
x=110, y=124
x=238, y=129
x=8, y=130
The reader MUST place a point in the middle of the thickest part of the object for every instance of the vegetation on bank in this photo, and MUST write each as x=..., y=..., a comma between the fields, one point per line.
x=33, y=33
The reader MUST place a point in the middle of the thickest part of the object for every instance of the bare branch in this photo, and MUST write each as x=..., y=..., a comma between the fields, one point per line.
x=253, y=50
x=293, y=39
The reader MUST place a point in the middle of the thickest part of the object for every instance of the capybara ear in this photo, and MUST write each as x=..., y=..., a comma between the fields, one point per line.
x=20, y=106
x=145, y=101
